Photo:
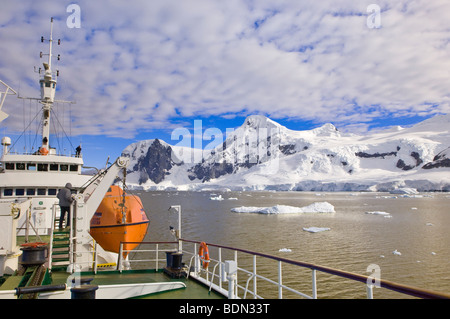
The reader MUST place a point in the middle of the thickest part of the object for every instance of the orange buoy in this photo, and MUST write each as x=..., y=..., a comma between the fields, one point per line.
x=203, y=253
x=120, y=217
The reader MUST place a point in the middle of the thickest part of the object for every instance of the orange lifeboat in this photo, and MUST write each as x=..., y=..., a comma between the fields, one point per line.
x=120, y=217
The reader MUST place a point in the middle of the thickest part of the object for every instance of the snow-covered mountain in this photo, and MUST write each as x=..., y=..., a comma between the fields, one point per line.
x=264, y=155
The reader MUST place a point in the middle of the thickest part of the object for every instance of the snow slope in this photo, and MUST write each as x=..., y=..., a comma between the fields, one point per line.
x=264, y=155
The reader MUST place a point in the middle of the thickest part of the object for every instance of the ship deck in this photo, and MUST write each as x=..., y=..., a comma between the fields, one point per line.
x=193, y=289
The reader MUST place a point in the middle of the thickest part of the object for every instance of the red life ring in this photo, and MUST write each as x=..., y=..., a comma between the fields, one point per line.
x=203, y=253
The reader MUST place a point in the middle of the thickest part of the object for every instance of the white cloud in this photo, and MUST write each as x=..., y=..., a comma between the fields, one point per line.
x=139, y=65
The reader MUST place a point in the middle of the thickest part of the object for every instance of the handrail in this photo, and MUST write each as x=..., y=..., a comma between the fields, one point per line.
x=401, y=288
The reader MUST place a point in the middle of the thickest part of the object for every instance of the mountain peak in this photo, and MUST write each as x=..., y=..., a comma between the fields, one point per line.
x=260, y=121
x=327, y=129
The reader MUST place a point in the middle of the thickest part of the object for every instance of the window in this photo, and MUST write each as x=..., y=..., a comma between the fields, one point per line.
x=53, y=167
x=31, y=192
x=8, y=192
x=42, y=167
x=63, y=168
x=41, y=191
x=47, y=84
x=9, y=165
x=74, y=168
x=31, y=167
x=52, y=191
x=20, y=191
x=20, y=166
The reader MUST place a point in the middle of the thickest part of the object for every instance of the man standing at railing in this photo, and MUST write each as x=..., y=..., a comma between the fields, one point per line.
x=65, y=200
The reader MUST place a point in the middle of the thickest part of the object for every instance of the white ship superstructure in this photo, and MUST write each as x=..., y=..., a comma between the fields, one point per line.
x=40, y=174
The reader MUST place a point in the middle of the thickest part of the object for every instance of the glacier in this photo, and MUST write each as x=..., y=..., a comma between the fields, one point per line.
x=264, y=155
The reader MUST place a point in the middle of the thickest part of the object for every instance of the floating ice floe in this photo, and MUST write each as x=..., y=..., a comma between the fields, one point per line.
x=396, y=252
x=384, y=214
x=232, y=198
x=315, y=229
x=433, y=253
x=285, y=250
x=217, y=197
x=429, y=224
x=318, y=207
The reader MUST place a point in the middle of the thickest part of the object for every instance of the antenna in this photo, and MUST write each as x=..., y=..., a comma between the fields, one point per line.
x=3, y=95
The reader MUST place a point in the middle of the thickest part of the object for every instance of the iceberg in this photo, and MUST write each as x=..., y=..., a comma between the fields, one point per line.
x=405, y=190
x=285, y=250
x=379, y=213
x=318, y=207
x=315, y=229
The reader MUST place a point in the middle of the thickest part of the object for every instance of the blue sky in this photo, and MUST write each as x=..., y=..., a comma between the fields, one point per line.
x=140, y=69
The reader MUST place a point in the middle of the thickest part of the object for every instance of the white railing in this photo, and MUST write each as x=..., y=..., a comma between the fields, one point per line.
x=218, y=276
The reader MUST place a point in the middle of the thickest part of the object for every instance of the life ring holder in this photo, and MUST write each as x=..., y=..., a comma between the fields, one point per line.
x=203, y=253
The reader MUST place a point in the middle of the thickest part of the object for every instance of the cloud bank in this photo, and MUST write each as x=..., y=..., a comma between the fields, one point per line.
x=142, y=65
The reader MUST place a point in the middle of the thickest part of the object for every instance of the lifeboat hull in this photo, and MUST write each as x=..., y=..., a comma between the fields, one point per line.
x=110, y=237
x=120, y=217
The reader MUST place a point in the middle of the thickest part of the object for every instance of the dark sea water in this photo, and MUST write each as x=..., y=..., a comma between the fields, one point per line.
x=419, y=228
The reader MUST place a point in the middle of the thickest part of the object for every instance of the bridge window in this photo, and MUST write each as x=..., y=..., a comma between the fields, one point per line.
x=63, y=168
x=20, y=166
x=41, y=191
x=31, y=192
x=8, y=192
x=42, y=167
x=20, y=191
x=53, y=167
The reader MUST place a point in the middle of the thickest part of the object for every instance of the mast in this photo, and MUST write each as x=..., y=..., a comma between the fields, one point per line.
x=48, y=89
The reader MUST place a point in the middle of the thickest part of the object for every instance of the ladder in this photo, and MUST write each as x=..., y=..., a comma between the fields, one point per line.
x=60, y=244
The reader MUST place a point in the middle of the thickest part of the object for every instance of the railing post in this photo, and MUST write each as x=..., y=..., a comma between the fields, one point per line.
x=236, y=275
x=314, y=284
x=254, y=276
x=197, y=260
x=280, y=281
x=157, y=254
x=369, y=291
x=119, y=259
x=95, y=257
x=220, y=268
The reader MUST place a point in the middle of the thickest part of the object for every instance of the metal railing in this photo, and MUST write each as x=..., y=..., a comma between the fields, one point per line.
x=214, y=277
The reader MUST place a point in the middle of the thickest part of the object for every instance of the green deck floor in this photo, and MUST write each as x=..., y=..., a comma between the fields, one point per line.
x=193, y=290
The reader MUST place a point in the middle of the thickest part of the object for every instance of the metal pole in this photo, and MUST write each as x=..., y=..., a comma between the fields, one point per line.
x=119, y=262
x=280, y=281
x=220, y=268
x=180, y=244
x=254, y=276
x=314, y=284
x=369, y=291
x=157, y=254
